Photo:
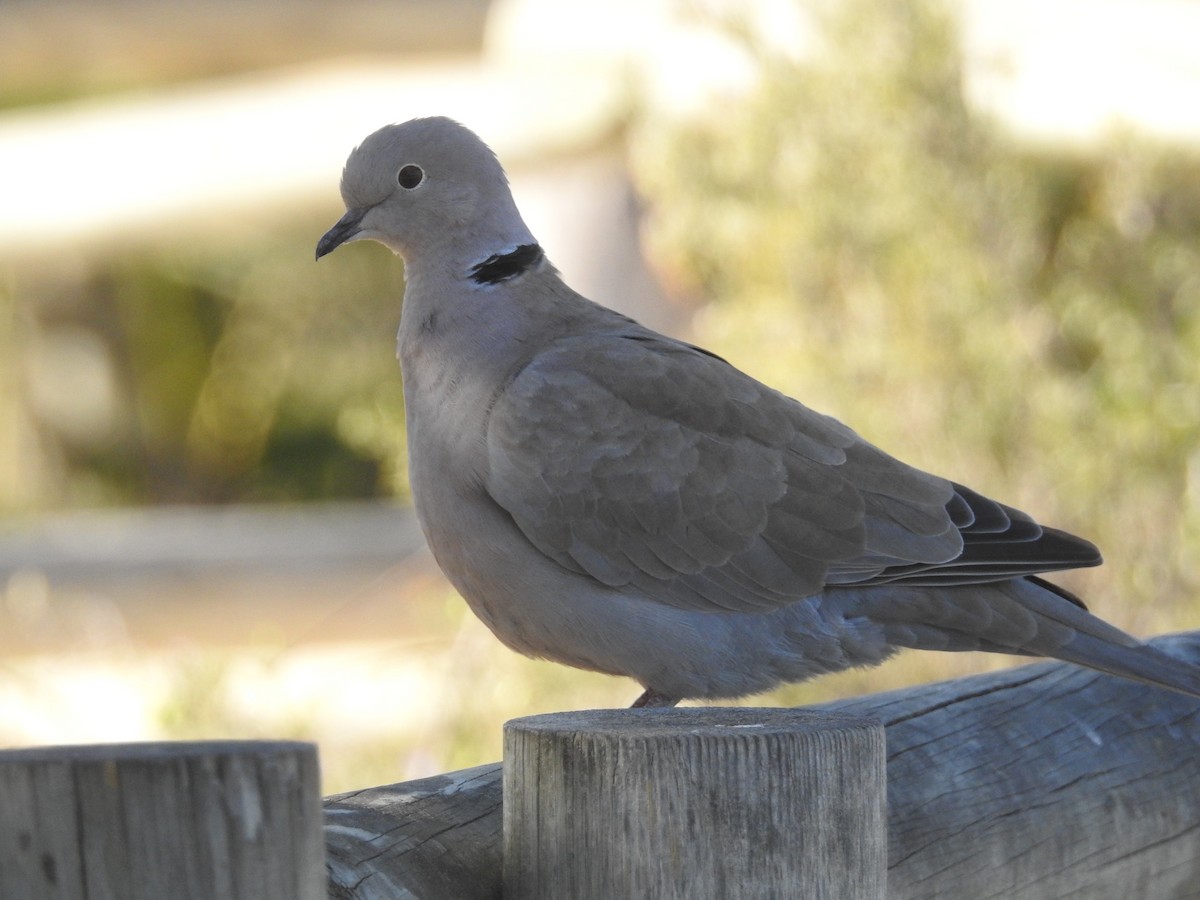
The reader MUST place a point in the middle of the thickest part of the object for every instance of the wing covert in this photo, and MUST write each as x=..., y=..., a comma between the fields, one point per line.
x=641, y=461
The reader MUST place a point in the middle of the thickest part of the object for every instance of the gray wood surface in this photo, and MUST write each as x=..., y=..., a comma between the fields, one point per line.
x=227, y=820
x=434, y=837
x=1043, y=781
x=694, y=804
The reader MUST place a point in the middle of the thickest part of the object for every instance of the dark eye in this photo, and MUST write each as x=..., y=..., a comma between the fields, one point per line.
x=410, y=177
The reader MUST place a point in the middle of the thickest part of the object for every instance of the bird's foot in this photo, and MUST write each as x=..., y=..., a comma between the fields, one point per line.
x=652, y=699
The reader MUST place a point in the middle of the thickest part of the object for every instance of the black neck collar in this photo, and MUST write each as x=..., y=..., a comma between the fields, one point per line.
x=504, y=266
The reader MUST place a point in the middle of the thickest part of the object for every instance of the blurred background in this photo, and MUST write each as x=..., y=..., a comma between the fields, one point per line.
x=969, y=229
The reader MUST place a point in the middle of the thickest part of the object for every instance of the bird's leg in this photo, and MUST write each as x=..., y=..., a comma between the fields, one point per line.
x=652, y=699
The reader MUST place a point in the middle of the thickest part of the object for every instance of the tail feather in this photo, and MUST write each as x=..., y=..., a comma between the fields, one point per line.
x=1141, y=662
x=1023, y=616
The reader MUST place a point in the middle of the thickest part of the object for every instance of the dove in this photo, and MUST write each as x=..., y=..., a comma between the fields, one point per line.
x=614, y=499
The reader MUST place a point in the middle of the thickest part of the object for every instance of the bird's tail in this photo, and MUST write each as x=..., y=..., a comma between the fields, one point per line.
x=1140, y=662
x=1024, y=616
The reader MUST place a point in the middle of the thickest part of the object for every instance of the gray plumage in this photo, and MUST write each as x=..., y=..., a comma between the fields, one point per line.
x=614, y=499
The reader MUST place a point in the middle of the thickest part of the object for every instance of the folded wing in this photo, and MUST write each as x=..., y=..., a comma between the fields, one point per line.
x=641, y=461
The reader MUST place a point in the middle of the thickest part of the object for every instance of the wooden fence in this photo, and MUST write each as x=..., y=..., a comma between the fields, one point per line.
x=225, y=820
x=1044, y=781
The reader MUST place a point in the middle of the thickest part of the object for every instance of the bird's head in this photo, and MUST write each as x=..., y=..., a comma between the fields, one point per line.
x=427, y=186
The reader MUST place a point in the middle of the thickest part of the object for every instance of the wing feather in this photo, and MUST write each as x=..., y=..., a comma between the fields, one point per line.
x=643, y=461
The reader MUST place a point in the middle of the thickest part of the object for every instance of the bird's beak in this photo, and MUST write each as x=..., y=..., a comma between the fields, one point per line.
x=346, y=229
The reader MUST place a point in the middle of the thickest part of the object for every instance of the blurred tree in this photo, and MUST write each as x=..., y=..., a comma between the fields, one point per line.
x=1023, y=321
x=1018, y=319
x=240, y=373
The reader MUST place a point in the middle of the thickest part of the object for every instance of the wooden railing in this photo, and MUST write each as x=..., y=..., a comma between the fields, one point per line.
x=1038, y=782
x=226, y=820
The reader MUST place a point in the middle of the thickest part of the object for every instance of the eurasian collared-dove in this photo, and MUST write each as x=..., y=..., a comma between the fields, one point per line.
x=621, y=501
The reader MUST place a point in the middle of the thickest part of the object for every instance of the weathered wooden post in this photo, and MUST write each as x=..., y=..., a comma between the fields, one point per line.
x=694, y=803
x=221, y=820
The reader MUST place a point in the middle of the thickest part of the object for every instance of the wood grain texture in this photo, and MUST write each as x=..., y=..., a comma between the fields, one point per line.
x=225, y=820
x=1044, y=781
x=434, y=837
x=694, y=803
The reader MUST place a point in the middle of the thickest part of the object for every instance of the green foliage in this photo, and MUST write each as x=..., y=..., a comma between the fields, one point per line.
x=241, y=371
x=1023, y=321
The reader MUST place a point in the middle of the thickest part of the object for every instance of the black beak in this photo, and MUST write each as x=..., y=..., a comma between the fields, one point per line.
x=346, y=228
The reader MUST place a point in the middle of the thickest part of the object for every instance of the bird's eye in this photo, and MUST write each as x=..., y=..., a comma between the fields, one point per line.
x=410, y=176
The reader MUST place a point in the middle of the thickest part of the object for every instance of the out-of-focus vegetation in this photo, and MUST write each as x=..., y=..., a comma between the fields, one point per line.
x=1023, y=320
x=86, y=48
x=202, y=371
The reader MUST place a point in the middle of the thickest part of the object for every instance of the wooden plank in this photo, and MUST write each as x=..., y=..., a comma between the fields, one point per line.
x=694, y=803
x=434, y=837
x=1042, y=781
x=234, y=820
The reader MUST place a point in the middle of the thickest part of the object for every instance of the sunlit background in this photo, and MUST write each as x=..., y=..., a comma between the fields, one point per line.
x=971, y=230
